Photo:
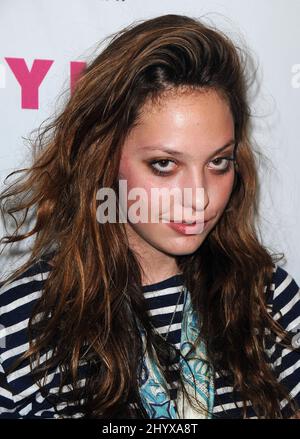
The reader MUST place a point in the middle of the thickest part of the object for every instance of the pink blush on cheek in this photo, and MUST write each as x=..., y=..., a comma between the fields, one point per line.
x=134, y=175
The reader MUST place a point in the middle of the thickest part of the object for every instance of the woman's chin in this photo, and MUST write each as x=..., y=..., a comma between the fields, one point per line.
x=183, y=246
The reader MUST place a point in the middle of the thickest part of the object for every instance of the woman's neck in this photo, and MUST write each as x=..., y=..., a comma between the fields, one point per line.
x=156, y=265
x=158, y=277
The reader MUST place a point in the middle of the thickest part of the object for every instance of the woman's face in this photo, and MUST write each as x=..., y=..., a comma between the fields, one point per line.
x=192, y=126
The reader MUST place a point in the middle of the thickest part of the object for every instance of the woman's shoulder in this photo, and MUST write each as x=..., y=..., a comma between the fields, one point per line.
x=284, y=306
x=17, y=298
x=20, y=396
x=24, y=284
x=284, y=298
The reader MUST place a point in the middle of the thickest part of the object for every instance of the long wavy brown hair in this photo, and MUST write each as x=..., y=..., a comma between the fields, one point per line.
x=93, y=297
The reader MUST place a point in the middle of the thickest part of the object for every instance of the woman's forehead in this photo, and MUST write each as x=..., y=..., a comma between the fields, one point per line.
x=182, y=125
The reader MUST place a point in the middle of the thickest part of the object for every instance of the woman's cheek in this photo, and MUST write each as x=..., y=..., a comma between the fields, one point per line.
x=138, y=186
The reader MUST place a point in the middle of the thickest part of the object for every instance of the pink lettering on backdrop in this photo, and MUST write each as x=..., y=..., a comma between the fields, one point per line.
x=76, y=68
x=29, y=80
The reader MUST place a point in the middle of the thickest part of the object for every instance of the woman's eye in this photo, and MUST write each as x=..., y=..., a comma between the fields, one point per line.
x=222, y=163
x=165, y=167
x=161, y=167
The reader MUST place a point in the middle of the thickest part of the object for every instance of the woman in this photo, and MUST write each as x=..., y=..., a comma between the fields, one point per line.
x=149, y=319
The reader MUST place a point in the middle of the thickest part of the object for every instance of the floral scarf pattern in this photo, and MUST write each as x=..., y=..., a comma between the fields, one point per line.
x=153, y=387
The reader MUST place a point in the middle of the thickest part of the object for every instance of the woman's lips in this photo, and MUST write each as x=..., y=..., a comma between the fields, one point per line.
x=188, y=229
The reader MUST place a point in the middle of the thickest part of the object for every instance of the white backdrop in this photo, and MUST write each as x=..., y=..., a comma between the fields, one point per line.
x=48, y=38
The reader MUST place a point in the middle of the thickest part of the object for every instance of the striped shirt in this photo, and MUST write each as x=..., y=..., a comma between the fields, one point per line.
x=21, y=397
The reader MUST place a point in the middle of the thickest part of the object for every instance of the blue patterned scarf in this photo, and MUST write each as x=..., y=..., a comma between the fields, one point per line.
x=153, y=387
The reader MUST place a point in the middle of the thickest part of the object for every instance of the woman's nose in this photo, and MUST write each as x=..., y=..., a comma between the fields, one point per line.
x=197, y=194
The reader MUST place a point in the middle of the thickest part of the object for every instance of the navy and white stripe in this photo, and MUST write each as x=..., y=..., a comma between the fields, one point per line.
x=163, y=299
x=20, y=396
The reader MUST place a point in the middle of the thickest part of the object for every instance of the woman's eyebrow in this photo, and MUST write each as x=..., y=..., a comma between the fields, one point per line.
x=181, y=153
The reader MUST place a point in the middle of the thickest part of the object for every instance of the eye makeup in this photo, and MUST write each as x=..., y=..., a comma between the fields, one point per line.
x=163, y=173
